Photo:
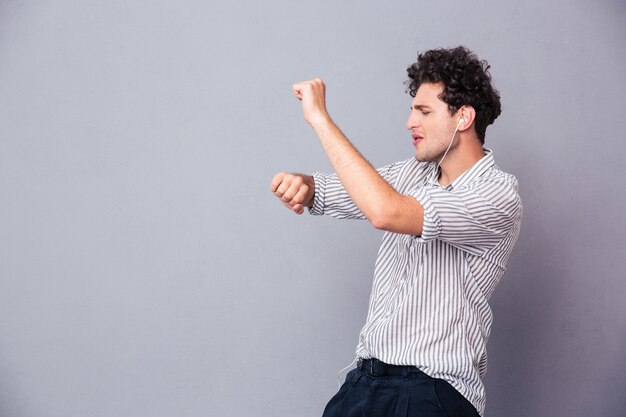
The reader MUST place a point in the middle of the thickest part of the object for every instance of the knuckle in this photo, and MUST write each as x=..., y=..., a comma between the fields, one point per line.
x=277, y=178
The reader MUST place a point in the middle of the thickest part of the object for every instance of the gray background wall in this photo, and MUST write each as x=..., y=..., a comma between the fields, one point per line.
x=146, y=270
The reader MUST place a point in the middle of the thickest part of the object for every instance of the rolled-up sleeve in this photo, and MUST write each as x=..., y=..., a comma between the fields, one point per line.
x=474, y=218
x=320, y=193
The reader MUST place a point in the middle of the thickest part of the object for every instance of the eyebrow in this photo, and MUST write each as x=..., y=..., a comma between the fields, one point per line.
x=420, y=107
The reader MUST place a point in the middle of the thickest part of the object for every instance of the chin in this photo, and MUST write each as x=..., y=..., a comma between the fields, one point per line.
x=423, y=158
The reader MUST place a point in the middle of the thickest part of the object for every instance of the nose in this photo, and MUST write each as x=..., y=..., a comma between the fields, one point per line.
x=412, y=122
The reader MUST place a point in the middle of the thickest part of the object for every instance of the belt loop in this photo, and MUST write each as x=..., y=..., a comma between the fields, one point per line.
x=377, y=367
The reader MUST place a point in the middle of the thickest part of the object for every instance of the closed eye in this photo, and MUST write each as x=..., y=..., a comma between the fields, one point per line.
x=422, y=109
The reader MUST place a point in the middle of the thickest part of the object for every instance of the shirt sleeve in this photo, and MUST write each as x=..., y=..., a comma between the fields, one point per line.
x=474, y=218
x=332, y=199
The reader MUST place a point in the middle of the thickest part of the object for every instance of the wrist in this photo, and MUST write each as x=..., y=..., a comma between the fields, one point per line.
x=321, y=120
x=311, y=194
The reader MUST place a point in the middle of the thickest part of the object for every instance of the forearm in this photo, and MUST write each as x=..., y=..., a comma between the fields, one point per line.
x=370, y=192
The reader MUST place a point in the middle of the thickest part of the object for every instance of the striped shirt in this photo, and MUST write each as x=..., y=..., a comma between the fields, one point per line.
x=429, y=302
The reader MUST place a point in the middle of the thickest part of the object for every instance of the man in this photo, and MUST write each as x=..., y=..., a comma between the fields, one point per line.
x=451, y=218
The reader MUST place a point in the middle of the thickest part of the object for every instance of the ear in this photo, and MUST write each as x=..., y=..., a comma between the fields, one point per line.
x=468, y=114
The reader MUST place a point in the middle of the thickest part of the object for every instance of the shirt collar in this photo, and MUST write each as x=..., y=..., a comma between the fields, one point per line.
x=475, y=171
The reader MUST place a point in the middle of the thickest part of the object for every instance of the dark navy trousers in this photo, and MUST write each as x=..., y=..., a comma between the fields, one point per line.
x=407, y=393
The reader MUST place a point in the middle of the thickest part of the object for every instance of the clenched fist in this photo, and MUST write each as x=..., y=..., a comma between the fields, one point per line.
x=295, y=191
x=312, y=94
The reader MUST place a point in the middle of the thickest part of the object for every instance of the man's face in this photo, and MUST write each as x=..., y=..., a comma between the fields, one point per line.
x=430, y=123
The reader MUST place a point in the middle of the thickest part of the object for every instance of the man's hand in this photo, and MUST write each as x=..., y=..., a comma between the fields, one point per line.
x=312, y=94
x=295, y=191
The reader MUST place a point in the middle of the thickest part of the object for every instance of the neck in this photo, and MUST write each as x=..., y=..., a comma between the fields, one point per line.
x=460, y=159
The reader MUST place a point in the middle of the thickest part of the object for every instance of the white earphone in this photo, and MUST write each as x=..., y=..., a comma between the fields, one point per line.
x=461, y=120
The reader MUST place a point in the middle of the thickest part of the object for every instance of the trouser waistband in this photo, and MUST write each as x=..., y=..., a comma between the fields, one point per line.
x=374, y=367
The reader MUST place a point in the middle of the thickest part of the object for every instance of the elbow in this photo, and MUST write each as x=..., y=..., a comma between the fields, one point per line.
x=385, y=213
x=405, y=216
x=388, y=224
x=380, y=221
x=378, y=214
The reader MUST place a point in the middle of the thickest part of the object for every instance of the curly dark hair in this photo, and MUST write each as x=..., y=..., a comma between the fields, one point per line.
x=466, y=81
